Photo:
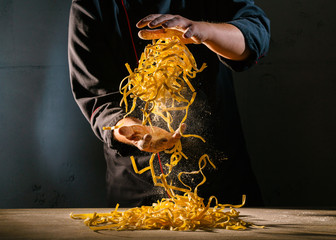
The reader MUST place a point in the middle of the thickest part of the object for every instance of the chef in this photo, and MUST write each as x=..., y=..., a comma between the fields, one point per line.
x=228, y=35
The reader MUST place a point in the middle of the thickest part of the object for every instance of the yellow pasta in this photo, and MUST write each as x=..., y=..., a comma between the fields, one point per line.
x=179, y=212
x=161, y=81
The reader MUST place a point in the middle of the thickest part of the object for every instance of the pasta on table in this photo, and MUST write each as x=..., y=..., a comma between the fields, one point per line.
x=162, y=83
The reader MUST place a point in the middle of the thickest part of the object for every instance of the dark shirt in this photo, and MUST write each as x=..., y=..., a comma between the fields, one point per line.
x=100, y=45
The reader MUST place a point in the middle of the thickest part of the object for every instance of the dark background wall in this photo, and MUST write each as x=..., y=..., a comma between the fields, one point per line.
x=50, y=158
x=288, y=106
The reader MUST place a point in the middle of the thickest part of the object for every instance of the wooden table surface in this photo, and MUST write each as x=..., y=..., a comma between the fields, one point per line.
x=279, y=224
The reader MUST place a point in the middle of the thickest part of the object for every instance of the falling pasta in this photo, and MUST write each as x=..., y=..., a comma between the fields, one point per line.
x=161, y=81
x=179, y=212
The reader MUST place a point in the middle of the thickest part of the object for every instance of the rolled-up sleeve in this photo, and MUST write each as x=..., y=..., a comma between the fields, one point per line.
x=252, y=21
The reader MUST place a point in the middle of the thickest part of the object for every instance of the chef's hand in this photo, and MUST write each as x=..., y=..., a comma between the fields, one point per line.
x=173, y=25
x=224, y=39
x=146, y=138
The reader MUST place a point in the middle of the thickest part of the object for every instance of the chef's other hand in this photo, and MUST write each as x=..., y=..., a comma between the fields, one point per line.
x=146, y=138
x=173, y=25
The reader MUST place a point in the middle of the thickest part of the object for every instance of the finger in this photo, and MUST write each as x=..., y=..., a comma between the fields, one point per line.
x=162, y=33
x=161, y=144
x=144, y=22
x=145, y=142
x=190, y=34
x=177, y=23
x=178, y=133
x=152, y=34
x=158, y=21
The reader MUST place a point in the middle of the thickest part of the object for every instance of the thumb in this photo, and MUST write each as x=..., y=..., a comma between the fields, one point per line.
x=178, y=133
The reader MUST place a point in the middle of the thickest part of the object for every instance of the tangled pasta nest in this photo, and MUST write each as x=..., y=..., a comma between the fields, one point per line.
x=179, y=213
x=161, y=81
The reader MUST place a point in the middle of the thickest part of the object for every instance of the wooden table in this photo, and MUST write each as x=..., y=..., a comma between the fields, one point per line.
x=279, y=224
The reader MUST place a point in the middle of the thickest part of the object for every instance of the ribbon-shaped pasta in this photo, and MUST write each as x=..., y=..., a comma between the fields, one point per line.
x=160, y=81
